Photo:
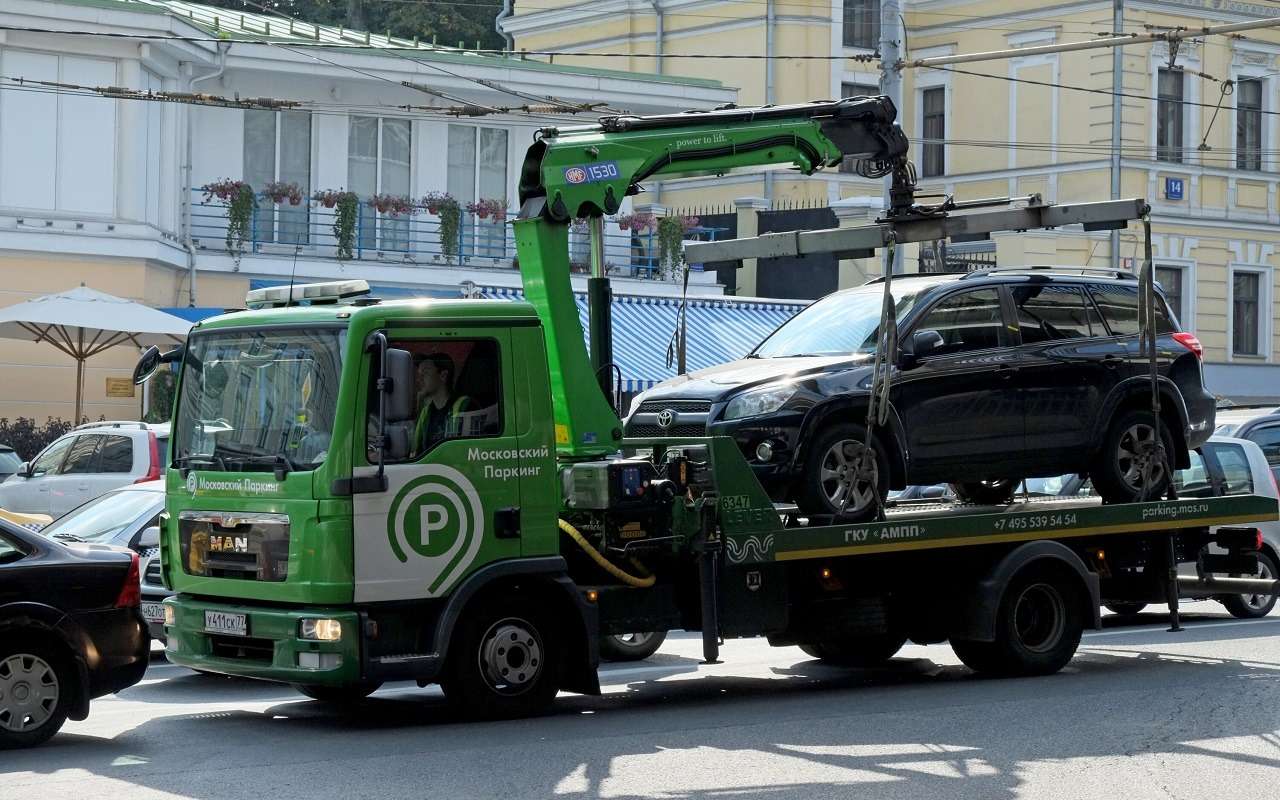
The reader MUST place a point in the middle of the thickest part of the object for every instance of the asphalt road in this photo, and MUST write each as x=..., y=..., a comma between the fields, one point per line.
x=1140, y=713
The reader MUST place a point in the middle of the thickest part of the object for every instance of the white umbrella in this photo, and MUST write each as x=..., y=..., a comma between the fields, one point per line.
x=82, y=322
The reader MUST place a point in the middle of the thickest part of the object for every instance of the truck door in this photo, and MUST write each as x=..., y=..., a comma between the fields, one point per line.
x=454, y=489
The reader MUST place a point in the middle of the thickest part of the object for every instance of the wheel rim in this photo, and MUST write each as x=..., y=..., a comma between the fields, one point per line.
x=1136, y=450
x=838, y=476
x=511, y=656
x=28, y=692
x=1038, y=617
x=1257, y=602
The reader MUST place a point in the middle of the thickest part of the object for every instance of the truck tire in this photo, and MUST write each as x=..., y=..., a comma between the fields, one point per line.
x=827, y=477
x=37, y=684
x=338, y=695
x=1252, y=606
x=1116, y=472
x=631, y=646
x=858, y=651
x=505, y=660
x=1126, y=609
x=1038, y=628
x=987, y=493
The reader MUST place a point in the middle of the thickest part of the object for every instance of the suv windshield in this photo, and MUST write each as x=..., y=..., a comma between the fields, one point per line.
x=258, y=400
x=839, y=324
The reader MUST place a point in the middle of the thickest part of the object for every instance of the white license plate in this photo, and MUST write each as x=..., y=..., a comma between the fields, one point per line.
x=153, y=612
x=226, y=622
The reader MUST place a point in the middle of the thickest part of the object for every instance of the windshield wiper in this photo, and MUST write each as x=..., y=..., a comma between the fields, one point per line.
x=67, y=537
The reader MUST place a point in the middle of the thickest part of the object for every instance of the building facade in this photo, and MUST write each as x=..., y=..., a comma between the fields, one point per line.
x=104, y=189
x=1198, y=130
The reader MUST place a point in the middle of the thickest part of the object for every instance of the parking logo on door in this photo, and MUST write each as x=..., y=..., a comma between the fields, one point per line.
x=437, y=517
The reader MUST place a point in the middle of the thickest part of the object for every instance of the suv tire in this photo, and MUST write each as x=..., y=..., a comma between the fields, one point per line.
x=1117, y=473
x=987, y=493
x=828, y=475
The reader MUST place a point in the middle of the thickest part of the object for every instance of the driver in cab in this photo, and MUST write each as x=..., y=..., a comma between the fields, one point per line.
x=439, y=409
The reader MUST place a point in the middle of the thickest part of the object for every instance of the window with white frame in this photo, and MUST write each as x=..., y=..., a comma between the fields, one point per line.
x=934, y=131
x=1172, y=279
x=1170, y=96
x=862, y=24
x=379, y=161
x=1249, y=124
x=478, y=171
x=277, y=147
x=1246, y=312
x=855, y=90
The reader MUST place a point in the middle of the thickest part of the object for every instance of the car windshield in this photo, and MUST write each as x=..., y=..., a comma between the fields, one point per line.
x=258, y=400
x=9, y=462
x=838, y=324
x=104, y=518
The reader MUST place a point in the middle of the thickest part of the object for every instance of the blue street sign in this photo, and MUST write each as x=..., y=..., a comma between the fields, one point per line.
x=1173, y=188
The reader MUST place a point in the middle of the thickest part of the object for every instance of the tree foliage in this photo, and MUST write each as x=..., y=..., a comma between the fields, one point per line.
x=449, y=22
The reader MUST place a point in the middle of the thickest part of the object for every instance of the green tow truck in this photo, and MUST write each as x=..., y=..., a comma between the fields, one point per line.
x=439, y=490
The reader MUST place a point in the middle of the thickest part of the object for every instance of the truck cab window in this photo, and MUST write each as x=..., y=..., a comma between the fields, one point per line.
x=457, y=393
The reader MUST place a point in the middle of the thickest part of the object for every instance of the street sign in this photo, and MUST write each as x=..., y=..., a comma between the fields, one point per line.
x=1173, y=188
x=119, y=387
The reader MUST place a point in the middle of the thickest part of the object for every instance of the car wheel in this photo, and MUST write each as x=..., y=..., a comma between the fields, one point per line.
x=829, y=484
x=631, y=646
x=1038, y=628
x=338, y=695
x=1252, y=606
x=504, y=661
x=987, y=493
x=36, y=687
x=1126, y=609
x=1128, y=447
x=857, y=651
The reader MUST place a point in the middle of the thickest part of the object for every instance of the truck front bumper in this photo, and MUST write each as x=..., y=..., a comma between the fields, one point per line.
x=270, y=648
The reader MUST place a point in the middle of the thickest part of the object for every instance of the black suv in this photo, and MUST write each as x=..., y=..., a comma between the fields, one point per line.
x=1001, y=375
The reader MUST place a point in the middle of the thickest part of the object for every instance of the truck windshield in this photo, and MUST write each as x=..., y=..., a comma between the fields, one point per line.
x=839, y=324
x=258, y=400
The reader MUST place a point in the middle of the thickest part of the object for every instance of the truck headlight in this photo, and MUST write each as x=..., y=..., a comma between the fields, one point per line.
x=319, y=630
x=759, y=401
x=170, y=617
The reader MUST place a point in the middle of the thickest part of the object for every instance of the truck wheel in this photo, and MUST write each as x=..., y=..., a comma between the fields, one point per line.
x=36, y=687
x=828, y=482
x=1117, y=473
x=504, y=661
x=987, y=493
x=1126, y=609
x=858, y=651
x=1038, y=628
x=338, y=695
x=631, y=646
x=1252, y=606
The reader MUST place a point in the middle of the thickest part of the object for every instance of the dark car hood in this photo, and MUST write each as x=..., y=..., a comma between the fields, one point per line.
x=716, y=382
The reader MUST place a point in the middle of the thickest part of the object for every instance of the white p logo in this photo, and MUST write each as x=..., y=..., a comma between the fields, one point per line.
x=433, y=518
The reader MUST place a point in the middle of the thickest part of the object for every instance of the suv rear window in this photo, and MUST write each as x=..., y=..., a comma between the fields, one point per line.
x=1119, y=306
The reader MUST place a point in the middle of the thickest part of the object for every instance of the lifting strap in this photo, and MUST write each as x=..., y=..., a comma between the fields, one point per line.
x=881, y=384
x=1158, y=456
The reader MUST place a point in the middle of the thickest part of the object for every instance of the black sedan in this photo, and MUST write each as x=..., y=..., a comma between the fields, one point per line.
x=70, y=631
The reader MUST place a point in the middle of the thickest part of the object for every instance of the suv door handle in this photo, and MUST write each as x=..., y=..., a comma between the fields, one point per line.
x=1005, y=371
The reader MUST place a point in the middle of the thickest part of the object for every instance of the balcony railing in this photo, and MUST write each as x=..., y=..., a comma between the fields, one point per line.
x=280, y=230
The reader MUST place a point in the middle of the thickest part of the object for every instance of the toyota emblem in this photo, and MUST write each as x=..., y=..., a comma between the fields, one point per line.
x=666, y=418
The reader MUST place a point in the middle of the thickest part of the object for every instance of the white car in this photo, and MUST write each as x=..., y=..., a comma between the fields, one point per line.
x=89, y=461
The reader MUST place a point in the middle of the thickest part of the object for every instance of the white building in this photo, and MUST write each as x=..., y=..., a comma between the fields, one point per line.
x=105, y=191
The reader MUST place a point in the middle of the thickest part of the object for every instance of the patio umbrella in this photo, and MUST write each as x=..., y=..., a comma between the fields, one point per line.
x=83, y=322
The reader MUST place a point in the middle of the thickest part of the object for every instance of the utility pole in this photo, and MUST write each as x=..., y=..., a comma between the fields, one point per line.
x=1117, y=119
x=891, y=85
x=355, y=15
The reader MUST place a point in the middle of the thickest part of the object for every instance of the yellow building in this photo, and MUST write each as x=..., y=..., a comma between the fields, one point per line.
x=1206, y=159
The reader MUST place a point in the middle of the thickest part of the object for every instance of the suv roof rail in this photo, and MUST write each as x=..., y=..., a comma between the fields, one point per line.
x=106, y=423
x=898, y=277
x=1098, y=271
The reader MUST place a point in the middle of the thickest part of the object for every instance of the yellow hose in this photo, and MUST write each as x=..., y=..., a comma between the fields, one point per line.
x=606, y=564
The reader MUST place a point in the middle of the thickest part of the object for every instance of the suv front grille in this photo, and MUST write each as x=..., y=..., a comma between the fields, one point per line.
x=640, y=431
x=678, y=406
x=670, y=418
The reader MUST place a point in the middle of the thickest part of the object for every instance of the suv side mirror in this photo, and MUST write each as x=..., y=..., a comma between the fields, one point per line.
x=149, y=538
x=922, y=343
x=24, y=471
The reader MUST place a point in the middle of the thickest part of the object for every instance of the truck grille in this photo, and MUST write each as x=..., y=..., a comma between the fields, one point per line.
x=681, y=418
x=240, y=546
x=242, y=648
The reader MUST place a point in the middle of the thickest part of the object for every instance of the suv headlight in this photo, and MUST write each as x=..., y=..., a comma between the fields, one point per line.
x=759, y=401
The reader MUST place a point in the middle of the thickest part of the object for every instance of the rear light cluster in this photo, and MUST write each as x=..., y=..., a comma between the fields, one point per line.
x=1189, y=341
x=153, y=472
x=131, y=593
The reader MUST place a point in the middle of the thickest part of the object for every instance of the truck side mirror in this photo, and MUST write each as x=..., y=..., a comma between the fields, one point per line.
x=146, y=366
x=396, y=419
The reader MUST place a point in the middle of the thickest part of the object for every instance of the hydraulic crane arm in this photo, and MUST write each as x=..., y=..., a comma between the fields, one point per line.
x=586, y=171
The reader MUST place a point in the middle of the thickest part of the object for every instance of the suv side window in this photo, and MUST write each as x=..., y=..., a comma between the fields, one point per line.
x=966, y=321
x=1194, y=481
x=1119, y=306
x=1049, y=312
x=117, y=454
x=1236, y=475
x=50, y=461
x=1268, y=438
x=83, y=457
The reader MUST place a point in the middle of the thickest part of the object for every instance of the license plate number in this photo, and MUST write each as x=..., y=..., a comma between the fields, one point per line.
x=153, y=612
x=226, y=622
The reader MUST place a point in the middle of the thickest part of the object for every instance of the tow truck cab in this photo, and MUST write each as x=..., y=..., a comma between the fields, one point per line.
x=296, y=556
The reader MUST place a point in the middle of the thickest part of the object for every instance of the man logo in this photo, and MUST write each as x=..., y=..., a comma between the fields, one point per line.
x=193, y=483
x=575, y=175
x=438, y=518
x=666, y=418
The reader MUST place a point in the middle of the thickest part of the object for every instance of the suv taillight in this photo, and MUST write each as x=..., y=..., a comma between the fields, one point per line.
x=1189, y=341
x=153, y=472
x=131, y=593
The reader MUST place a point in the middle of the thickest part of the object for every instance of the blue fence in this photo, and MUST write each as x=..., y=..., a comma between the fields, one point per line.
x=279, y=229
